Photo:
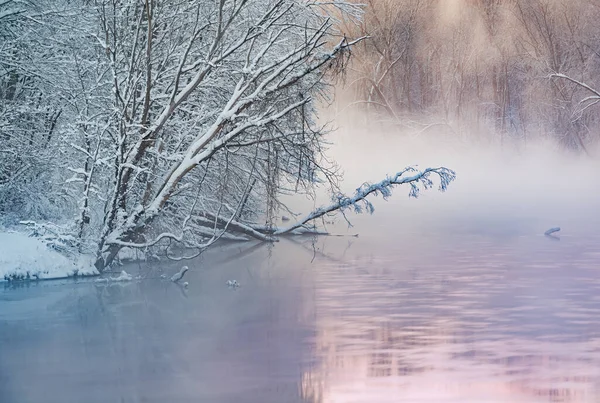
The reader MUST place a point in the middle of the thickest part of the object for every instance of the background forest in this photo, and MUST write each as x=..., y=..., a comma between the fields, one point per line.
x=480, y=69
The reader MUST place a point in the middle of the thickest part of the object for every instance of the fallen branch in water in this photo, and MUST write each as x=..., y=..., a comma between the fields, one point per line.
x=340, y=202
x=552, y=231
x=359, y=200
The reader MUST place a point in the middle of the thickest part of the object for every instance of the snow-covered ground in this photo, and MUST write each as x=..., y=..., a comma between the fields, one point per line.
x=24, y=257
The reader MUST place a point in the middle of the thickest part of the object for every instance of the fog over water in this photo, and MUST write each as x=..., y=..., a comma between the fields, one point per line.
x=516, y=188
x=453, y=297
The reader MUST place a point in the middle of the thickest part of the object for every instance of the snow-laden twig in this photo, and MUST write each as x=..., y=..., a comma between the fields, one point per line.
x=342, y=202
x=579, y=83
x=586, y=102
x=179, y=275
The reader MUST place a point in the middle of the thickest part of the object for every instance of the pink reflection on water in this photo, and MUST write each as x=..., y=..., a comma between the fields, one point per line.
x=513, y=322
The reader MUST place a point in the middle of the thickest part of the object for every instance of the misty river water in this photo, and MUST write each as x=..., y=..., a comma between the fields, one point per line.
x=455, y=297
x=469, y=316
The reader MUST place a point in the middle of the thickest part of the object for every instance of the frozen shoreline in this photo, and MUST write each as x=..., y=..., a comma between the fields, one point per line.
x=27, y=258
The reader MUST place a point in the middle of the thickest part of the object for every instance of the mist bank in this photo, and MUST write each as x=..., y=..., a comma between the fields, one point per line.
x=513, y=188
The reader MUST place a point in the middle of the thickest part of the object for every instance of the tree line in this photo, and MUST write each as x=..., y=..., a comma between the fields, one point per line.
x=480, y=68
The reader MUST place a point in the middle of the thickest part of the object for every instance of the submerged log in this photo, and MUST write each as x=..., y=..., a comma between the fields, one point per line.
x=552, y=231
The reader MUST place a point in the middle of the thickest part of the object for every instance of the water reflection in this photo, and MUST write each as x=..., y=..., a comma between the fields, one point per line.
x=469, y=318
x=145, y=341
x=503, y=321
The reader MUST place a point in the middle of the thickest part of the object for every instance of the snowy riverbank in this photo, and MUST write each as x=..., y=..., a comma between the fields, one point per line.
x=24, y=257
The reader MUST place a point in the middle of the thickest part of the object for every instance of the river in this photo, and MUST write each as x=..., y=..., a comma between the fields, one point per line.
x=455, y=297
x=462, y=317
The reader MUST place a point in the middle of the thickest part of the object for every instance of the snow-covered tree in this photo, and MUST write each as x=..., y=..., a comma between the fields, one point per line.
x=29, y=114
x=213, y=108
x=178, y=123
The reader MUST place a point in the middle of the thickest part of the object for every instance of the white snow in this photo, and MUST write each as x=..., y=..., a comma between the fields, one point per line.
x=131, y=255
x=23, y=257
x=179, y=275
x=122, y=277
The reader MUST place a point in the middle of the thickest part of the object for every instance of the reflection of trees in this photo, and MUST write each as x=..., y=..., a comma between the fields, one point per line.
x=456, y=325
x=216, y=341
x=311, y=387
x=373, y=336
x=403, y=358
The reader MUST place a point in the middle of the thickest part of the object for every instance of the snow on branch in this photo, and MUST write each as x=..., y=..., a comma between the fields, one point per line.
x=579, y=83
x=586, y=102
x=359, y=200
